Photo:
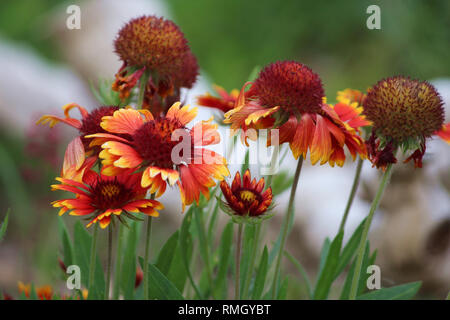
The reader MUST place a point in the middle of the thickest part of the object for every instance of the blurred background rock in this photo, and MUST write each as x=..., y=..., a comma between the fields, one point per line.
x=44, y=65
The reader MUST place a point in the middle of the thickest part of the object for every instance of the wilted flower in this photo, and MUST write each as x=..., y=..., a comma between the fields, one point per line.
x=102, y=197
x=151, y=145
x=289, y=96
x=157, y=46
x=245, y=200
x=404, y=113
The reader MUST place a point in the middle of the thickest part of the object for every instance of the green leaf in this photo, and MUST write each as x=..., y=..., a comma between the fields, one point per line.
x=326, y=276
x=401, y=292
x=213, y=220
x=281, y=182
x=178, y=274
x=261, y=274
x=348, y=280
x=302, y=271
x=4, y=225
x=128, y=270
x=82, y=248
x=282, y=292
x=167, y=253
x=226, y=242
x=324, y=254
x=349, y=249
x=67, y=243
x=159, y=286
x=204, y=248
x=184, y=241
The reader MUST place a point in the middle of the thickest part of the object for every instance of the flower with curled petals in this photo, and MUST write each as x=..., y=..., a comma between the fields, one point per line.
x=164, y=149
x=225, y=102
x=404, y=113
x=289, y=96
x=245, y=200
x=79, y=147
x=100, y=198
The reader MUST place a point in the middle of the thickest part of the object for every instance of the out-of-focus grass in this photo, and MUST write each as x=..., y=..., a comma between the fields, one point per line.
x=231, y=37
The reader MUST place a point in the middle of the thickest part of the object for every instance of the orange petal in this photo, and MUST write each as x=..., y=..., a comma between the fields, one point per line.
x=321, y=144
x=123, y=121
x=74, y=156
x=183, y=115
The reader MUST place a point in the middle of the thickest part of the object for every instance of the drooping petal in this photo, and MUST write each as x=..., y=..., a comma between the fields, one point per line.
x=321, y=143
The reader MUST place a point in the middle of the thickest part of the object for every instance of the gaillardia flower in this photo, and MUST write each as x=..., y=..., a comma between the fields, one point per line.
x=156, y=46
x=404, y=113
x=245, y=200
x=289, y=96
x=225, y=102
x=80, y=146
x=154, y=148
x=100, y=197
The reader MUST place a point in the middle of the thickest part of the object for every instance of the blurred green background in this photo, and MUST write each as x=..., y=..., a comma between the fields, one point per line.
x=229, y=39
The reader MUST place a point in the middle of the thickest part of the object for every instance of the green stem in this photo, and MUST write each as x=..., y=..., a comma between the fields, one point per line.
x=287, y=219
x=252, y=260
x=117, y=268
x=93, y=258
x=352, y=194
x=237, y=276
x=146, y=255
x=109, y=264
x=142, y=83
x=362, y=244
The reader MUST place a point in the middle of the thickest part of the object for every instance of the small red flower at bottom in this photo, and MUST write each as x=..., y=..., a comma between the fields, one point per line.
x=246, y=198
x=102, y=197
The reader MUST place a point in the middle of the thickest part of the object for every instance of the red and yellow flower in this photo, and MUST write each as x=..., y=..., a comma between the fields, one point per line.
x=154, y=149
x=289, y=96
x=101, y=197
x=225, y=102
x=79, y=147
x=246, y=198
x=404, y=113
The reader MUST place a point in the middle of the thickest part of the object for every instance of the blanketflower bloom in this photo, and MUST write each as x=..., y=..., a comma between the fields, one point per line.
x=157, y=46
x=100, y=197
x=154, y=149
x=404, y=113
x=246, y=198
x=43, y=293
x=80, y=146
x=289, y=96
x=225, y=102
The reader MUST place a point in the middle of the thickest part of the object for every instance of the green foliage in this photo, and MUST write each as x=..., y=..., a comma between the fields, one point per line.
x=82, y=249
x=159, y=286
x=327, y=272
x=261, y=275
x=402, y=292
x=4, y=225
